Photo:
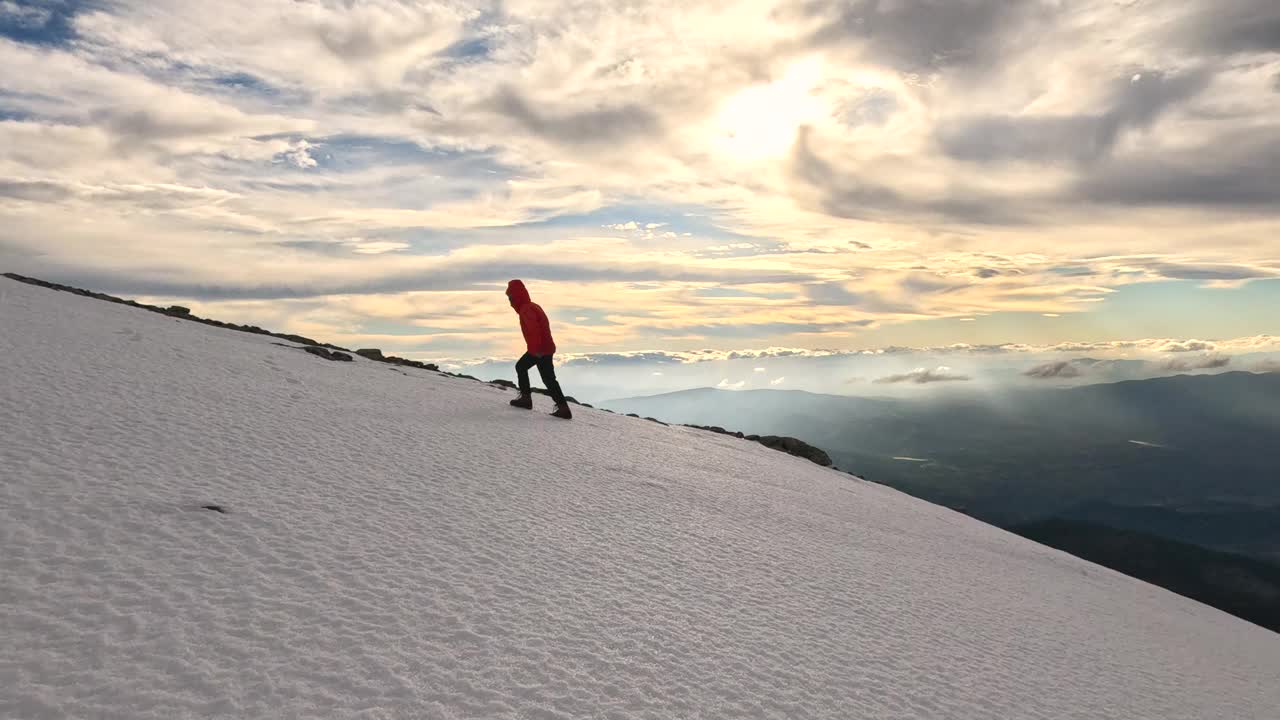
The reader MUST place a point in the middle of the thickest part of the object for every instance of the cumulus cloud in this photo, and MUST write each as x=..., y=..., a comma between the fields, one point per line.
x=1204, y=362
x=1051, y=370
x=299, y=155
x=922, y=376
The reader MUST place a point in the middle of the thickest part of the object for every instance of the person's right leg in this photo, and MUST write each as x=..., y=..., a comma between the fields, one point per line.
x=547, y=369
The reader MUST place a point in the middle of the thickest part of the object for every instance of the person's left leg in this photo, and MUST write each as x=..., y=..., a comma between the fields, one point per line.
x=547, y=369
x=524, y=400
x=525, y=362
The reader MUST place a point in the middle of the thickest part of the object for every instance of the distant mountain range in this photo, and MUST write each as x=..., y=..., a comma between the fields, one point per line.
x=1017, y=456
x=1242, y=586
x=1173, y=480
x=1227, y=528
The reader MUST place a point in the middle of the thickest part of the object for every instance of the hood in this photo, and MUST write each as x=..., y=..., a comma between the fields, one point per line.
x=517, y=293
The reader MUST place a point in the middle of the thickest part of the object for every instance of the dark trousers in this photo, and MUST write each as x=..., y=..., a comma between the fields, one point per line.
x=545, y=369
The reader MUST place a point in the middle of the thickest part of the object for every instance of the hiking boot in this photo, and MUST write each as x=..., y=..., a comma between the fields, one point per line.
x=524, y=401
x=562, y=411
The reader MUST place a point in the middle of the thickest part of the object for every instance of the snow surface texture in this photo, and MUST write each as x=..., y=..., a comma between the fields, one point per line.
x=401, y=544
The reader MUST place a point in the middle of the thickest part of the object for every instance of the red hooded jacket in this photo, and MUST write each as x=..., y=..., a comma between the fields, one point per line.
x=533, y=321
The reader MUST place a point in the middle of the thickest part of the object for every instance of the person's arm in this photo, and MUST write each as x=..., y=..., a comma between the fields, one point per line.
x=533, y=327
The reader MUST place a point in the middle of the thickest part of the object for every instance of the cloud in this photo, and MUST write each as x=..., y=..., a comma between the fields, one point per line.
x=595, y=126
x=826, y=169
x=921, y=376
x=23, y=16
x=299, y=155
x=1269, y=365
x=1178, y=346
x=726, y=385
x=1051, y=370
x=1232, y=26
x=919, y=35
x=1204, y=362
x=778, y=381
x=1152, y=347
x=1238, y=168
x=1136, y=101
x=832, y=190
x=375, y=247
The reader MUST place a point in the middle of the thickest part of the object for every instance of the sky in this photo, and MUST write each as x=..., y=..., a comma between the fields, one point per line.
x=684, y=182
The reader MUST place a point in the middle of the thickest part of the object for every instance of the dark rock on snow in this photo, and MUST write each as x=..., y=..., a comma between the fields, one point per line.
x=328, y=354
x=789, y=445
x=794, y=446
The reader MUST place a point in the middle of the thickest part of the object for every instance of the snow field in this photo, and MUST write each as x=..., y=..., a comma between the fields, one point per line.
x=402, y=544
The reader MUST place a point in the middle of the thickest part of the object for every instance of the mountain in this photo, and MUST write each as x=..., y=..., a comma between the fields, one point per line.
x=1012, y=457
x=1224, y=527
x=201, y=522
x=1246, y=588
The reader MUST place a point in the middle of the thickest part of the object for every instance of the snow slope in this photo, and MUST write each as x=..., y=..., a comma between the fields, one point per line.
x=401, y=544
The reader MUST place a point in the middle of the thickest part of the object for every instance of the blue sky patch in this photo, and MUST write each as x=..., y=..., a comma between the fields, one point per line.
x=42, y=22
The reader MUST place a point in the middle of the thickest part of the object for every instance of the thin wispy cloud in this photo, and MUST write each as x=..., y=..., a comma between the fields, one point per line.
x=1052, y=370
x=924, y=376
x=1204, y=362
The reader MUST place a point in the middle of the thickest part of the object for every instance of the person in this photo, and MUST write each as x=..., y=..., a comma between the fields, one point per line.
x=541, y=351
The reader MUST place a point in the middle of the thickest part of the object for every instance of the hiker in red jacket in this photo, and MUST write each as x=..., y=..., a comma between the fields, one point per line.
x=537, y=337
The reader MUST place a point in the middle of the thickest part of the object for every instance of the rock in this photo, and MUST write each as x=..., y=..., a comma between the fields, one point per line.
x=789, y=445
x=371, y=353
x=404, y=362
x=797, y=447
x=215, y=508
x=300, y=339
x=177, y=311
x=504, y=383
x=656, y=420
x=717, y=429
x=328, y=354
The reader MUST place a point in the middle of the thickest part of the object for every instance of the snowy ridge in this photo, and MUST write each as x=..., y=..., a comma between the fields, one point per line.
x=401, y=544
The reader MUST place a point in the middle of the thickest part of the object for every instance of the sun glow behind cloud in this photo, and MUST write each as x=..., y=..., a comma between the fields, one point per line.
x=761, y=122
